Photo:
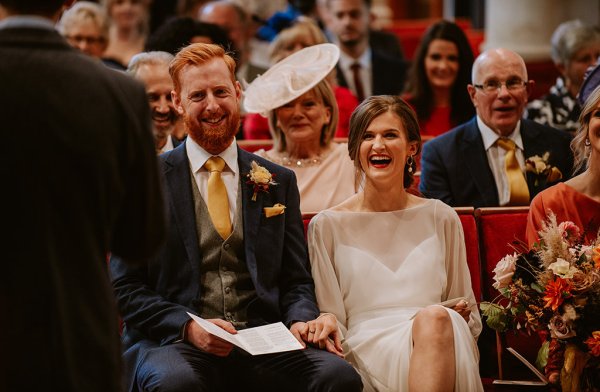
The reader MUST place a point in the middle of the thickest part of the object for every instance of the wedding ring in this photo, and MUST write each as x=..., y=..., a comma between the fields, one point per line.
x=311, y=331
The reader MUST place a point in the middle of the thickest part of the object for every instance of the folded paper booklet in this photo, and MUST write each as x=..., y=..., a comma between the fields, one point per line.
x=543, y=379
x=266, y=339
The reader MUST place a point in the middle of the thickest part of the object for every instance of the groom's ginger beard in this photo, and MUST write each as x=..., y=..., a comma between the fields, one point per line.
x=213, y=139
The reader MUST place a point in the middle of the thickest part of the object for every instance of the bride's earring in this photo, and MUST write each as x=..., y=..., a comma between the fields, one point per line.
x=410, y=162
x=587, y=142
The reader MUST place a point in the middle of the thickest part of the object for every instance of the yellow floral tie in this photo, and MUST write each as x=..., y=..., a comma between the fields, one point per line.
x=218, y=204
x=519, y=193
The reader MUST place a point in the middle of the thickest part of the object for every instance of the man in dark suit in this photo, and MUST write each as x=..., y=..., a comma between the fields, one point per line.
x=80, y=181
x=467, y=166
x=152, y=69
x=244, y=266
x=362, y=68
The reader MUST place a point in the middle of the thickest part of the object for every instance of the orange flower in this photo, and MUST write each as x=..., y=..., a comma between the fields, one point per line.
x=596, y=256
x=556, y=292
x=593, y=343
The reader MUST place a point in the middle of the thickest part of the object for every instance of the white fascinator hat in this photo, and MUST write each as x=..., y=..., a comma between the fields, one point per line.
x=290, y=78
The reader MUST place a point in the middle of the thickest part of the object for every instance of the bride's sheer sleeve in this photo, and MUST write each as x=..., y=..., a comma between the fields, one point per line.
x=321, y=253
x=457, y=270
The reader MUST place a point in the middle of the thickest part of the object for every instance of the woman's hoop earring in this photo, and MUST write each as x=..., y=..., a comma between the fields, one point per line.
x=587, y=141
x=410, y=162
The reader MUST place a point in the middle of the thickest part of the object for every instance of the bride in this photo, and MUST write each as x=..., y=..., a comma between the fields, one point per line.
x=385, y=259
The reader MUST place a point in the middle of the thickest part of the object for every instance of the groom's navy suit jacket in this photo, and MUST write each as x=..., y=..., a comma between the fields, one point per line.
x=154, y=298
x=455, y=169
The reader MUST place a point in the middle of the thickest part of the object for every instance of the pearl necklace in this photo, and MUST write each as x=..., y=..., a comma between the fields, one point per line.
x=300, y=162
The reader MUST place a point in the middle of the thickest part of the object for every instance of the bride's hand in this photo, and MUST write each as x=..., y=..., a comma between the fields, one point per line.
x=463, y=309
x=323, y=333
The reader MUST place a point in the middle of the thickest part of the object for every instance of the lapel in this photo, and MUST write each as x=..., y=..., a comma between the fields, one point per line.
x=531, y=147
x=341, y=79
x=472, y=151
x=251, y=210
x=177, y=176
x=380, y=78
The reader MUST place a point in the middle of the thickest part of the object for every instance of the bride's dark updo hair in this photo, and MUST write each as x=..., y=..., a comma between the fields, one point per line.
x=373, y=107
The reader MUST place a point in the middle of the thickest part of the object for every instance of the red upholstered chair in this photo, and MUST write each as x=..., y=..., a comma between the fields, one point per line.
x=467, y=219
x=501, y=231
x=306, y=217
x=255, y=145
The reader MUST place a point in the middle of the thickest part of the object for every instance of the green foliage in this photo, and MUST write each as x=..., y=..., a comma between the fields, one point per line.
x=542, y=356
x=496, y=317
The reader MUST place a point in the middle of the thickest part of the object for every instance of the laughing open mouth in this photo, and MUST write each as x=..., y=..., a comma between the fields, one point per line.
x=214, y=120
x=380, y=160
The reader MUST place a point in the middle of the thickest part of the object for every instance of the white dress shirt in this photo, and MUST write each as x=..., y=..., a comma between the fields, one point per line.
x=168, y=145
x=496, y=156
x=366, y=71
x=198, y=156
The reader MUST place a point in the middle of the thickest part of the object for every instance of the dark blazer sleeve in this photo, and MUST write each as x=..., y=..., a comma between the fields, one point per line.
x=153, y=298
x=140, y=226
x=435, y=182
x=298, y=301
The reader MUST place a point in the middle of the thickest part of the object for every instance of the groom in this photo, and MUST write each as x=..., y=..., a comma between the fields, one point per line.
x=236, y=260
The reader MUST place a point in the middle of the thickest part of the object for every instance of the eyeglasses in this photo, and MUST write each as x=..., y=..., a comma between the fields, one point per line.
x=491, y=86
x=78, y=39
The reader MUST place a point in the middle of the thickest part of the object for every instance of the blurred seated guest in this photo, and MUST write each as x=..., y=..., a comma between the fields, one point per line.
x=384, y=260
x=177, y=33
x=234, y=19
x=128, y=31
x=481, y=163
x=299, y=102
x=279, y=20
x=85, y=26
x=575, y=47
x=152, y=69
x=576, y=200
x=302, y=34
x=362, y=67
x=188, y=8
x=438, y=79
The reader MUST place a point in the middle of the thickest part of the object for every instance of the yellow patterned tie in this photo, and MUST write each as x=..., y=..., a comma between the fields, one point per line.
x=519, y=193
x=218, y=204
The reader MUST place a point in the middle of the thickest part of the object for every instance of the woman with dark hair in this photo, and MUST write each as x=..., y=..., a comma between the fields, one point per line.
x=437, y=83
x=392, y=266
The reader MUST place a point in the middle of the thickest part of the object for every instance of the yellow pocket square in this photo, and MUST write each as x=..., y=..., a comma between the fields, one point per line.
x=277, y=209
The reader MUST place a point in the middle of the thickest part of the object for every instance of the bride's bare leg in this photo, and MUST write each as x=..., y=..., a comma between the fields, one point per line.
x=432, y=360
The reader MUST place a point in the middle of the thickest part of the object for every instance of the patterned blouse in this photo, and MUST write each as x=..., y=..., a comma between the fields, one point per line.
x=558, y=109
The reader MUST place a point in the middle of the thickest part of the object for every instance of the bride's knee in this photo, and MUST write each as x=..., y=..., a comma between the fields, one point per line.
x=433, y=322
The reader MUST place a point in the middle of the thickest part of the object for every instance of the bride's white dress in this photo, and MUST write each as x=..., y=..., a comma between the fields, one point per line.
x=375, y=270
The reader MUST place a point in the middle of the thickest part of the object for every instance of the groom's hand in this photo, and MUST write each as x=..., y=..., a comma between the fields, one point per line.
x=207, y=342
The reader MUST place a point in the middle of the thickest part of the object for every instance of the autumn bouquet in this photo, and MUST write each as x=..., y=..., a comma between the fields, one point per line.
x=553, y=289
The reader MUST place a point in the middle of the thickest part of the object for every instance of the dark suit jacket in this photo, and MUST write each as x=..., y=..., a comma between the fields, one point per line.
x=388, y=75
x=386, y=42
x=154, y=299
x=455, y=169
x=80, y=180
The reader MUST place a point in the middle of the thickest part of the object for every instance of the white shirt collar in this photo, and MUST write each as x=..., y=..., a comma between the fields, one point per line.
x=198, y=156
x=364, y=60
x=489, y=137
x=168, y=145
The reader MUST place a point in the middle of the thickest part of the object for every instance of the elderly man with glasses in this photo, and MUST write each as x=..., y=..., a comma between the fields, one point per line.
x=489, y=161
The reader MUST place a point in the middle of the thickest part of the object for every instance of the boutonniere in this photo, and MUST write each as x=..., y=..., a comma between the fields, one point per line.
x=542, y=171
x=260, y=179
